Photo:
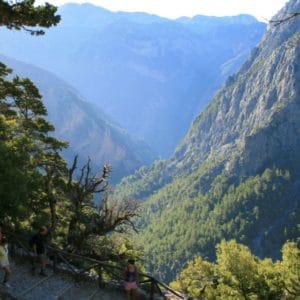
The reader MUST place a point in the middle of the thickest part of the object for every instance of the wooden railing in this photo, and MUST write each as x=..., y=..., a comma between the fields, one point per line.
x=80, y=265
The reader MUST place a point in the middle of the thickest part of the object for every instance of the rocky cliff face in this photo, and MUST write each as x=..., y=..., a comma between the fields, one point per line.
x=255, y=117
x=236, y=173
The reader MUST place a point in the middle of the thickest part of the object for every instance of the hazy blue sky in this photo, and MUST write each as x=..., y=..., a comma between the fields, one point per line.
x=262, y=9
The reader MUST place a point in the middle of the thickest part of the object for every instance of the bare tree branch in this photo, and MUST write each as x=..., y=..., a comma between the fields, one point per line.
x=88, y=219
x=73, y=168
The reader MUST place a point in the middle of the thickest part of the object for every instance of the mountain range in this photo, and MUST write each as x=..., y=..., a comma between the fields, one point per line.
x=153, y=75
x=90, y=133
x=236, y=173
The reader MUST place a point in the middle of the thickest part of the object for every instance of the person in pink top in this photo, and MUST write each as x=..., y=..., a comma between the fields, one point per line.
x=130, y=276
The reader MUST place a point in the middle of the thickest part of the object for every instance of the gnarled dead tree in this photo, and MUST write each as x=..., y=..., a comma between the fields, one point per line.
x=91, y=219
x=114, y=215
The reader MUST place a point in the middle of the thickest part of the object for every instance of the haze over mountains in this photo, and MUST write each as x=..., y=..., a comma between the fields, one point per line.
x=151, y=75
x=236, y=174
x=89, y=131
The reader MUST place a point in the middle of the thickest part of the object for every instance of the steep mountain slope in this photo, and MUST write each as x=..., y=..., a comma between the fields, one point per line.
x=152, y=75
x=89, y=131
x=236, y=174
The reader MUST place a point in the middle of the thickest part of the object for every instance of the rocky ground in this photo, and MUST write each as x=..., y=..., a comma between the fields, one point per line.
x=60, y=285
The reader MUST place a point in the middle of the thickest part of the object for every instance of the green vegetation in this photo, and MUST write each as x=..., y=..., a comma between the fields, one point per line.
x=235, y=175
x=38, y=188
x=24, y=15
x=157, y=177
x=27, y=149
x=183, y=219
x=36, y=185
x=238, y=274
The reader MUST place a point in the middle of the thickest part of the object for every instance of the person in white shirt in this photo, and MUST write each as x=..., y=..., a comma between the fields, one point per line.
x=4, y=263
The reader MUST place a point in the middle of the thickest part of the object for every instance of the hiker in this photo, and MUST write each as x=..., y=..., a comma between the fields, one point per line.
x=130, y=276
x=4, y=263
x=37, y=244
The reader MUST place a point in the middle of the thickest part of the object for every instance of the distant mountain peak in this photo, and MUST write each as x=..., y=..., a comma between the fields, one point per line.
x=242, y=19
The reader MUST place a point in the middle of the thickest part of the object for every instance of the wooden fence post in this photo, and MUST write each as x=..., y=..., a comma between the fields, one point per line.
x=100, y=276
x=152, y=286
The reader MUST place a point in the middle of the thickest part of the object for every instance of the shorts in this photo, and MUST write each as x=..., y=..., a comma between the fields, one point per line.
x=130, y=285
x=4, y=262
x=39, y=258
